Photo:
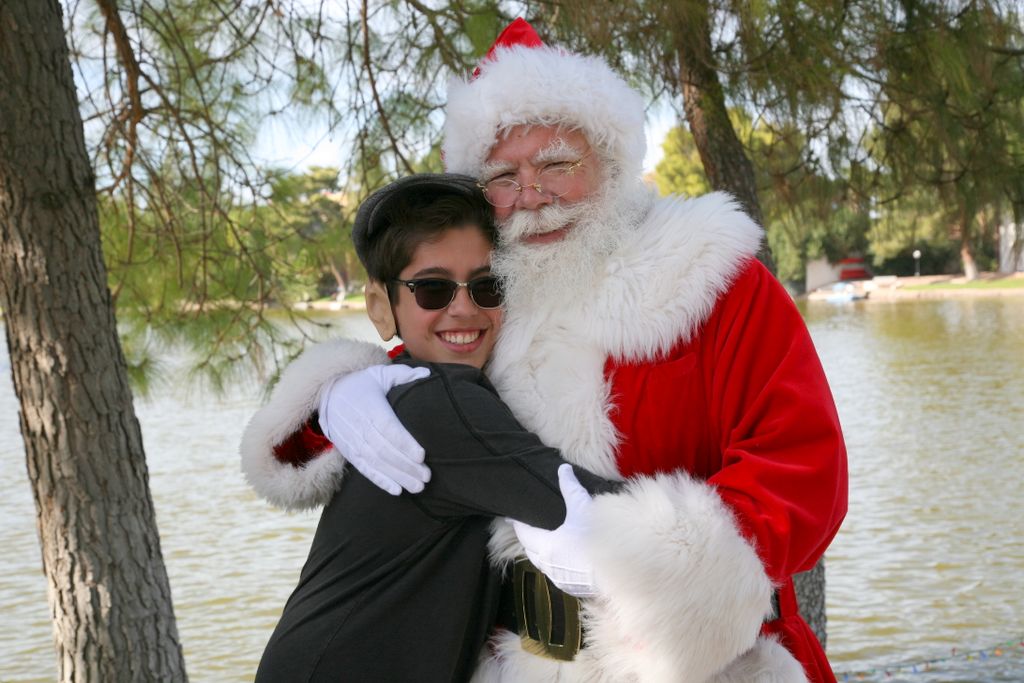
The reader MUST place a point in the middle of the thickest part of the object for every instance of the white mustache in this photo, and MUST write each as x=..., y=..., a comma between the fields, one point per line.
x=525, y=222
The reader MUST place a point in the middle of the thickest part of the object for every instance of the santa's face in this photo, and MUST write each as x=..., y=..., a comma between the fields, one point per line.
x=553, y=246
x=528, y=155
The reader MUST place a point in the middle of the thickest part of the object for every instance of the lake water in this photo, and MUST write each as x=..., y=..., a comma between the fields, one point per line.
x=925, y=580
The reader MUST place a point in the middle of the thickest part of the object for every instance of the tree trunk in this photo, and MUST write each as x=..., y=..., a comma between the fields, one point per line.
x=340, y=277
x=108, y=589
x=810, y=594
x=1018, y=236
x=721, y=152
x=966, y=220
x=728, y=169
x=970, y=265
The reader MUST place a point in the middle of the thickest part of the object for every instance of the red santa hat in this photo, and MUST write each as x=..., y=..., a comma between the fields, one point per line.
x=523, y=81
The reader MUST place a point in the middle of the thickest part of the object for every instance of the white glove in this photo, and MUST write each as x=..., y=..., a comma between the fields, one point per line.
x=356, y=416
x=560, y=553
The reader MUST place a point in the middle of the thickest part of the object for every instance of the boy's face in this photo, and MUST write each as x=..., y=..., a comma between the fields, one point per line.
x=462, y=332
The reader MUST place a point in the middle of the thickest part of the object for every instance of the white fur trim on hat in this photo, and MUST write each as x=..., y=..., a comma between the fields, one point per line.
x=546, y=86
x=292, y=402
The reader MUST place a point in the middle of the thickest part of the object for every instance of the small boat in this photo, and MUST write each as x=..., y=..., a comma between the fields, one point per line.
x=843, y=292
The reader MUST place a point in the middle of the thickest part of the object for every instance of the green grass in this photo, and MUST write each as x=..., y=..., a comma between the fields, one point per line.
x=1004, y=283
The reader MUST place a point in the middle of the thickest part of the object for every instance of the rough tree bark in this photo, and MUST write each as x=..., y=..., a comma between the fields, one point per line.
x=725, y=162
x=728, y=168
x=108, y=588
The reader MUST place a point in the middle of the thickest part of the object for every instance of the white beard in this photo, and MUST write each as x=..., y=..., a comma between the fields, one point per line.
x=546, y=365
x=572, y=268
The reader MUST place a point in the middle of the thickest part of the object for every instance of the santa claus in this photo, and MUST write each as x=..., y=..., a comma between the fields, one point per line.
x=644, y=340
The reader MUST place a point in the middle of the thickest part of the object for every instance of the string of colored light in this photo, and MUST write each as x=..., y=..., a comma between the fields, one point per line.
x=924, y=665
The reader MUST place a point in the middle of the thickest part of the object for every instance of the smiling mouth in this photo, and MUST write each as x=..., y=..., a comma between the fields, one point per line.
x=555, y=235
x=460, y=338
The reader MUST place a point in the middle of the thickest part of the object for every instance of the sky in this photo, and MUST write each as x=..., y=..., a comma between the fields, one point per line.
x=286, y=144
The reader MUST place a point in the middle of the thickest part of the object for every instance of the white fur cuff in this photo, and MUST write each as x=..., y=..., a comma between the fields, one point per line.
x=766, y=662
x=292, y=402
x=682, y=590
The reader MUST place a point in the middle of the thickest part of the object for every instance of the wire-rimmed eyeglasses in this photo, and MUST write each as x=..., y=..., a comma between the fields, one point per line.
x=554, y=180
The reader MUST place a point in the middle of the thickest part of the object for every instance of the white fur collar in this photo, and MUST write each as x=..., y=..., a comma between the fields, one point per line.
x=659, y=287
x=664, y=284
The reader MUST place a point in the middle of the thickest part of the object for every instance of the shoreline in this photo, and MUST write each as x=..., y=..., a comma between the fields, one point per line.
x=327, y=305
x=895, y=288
x=877, y=289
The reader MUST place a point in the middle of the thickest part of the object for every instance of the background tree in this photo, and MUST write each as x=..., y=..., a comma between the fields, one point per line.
x=174, y=95
x=806, y=214
x=313, y=217
x=680, y=170
x=111, y=601
x=882, y=111
x=949, y=105
x=169, y=94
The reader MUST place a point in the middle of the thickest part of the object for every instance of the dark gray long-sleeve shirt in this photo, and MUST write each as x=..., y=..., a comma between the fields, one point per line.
x=399, y=588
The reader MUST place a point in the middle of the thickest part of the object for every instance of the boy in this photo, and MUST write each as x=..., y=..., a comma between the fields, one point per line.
x=399, y=588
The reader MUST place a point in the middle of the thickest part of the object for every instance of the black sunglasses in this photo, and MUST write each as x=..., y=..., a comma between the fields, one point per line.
x=435, y=293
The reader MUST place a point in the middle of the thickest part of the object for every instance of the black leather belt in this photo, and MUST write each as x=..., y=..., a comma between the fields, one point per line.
x=546, y=618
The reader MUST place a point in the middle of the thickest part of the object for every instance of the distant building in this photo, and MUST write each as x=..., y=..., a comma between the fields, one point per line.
x=821, y=272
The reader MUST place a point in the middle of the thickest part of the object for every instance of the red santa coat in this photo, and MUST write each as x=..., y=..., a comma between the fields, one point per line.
x=728, y=411
x=688, y=370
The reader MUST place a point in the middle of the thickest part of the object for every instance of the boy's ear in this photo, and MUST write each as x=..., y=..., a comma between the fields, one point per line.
x=378, y=307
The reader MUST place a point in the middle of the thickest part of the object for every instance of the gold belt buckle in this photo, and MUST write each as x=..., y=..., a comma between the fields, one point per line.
x=549, y=619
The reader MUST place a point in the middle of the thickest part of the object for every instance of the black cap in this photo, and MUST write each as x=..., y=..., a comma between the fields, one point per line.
x=373, y=215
